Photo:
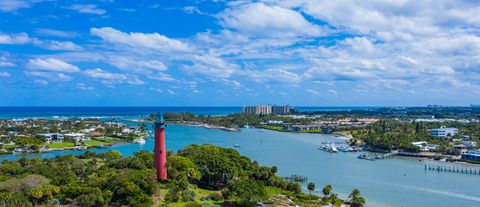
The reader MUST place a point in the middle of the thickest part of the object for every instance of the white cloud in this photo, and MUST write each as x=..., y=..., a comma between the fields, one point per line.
x=265, y=20
x=40, y=82
x=4, y=62
x=14, y=39
x=109, y=78
x=139, y=40
x=314, y=92
x=83, y=86
x=211, y=66
x=87, y=9
x=52, y=64
x=128, y=63
x=333, y=92
x=4, y=74
x=158, y=90
x=98, y=73
x=49, y=76
x=56, y=45
x=161, y=77
x=13, y=5
x=56, y=33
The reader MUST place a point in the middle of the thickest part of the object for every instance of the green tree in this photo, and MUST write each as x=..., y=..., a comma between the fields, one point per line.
x=311, y=187
x=327, y=190
x=179, y=165
x=355, y=199
x=245, y=191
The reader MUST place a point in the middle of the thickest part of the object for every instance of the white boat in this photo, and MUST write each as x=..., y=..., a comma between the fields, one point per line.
x=328, y=147
x=139, y=141
x=236, y=145
x=333, y=148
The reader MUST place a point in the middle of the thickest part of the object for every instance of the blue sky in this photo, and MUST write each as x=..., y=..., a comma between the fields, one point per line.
x=230, y=53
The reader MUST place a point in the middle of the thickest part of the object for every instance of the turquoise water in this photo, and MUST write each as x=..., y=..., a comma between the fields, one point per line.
x=390, y=182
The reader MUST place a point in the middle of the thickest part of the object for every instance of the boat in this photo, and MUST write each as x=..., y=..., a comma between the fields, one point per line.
x=236, y=145
x=333, y=148
x=139, y=141
x=329, y=147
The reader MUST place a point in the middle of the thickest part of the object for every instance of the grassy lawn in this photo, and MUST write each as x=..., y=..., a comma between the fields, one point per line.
x=10, y=146
x=311, y=131
x=99, y=141
x=276, y=128
x=60, y=144
x=345, y=132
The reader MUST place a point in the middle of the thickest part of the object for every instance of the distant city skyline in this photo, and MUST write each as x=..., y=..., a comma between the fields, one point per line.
x=235, y=53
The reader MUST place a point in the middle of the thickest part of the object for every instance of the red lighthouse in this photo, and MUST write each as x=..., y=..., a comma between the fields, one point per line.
x=159, y=150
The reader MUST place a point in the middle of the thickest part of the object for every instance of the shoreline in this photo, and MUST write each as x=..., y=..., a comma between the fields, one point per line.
x=203, y=125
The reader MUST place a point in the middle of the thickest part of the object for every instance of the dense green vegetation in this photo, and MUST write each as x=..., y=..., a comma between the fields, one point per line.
x=231, y=120
x=199, y=175
x=393, y=134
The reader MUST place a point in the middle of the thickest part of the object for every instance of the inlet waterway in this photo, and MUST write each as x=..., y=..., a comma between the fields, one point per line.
x=388, y=182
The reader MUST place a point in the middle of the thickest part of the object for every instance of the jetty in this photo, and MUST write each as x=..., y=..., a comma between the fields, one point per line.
x=453, y=169
x=295, y=178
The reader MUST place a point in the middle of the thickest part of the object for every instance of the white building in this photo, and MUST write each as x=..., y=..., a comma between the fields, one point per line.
x=76, y=136
x=444, y=132
x=52, y=137
x=268, y=109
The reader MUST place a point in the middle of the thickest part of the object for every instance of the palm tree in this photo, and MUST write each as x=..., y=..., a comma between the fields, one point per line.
x=327, y=190
x=311, y=187
x=333, y=198
x=356, y=200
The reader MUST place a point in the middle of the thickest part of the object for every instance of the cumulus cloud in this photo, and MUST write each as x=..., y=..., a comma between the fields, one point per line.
x=4, y=74
x=109, y=78
x=127, y=63
x=4, y=62
x=52, y=64
x=333, y=92
x=137, y=39
x=24, y=38
x=313, y=92
x=83, y=86
x=161, y=77
x=49, y=76
x=13, y=5
x=211, y=66
x=14, y=39
x=56, y=45
x=87, y=9
x=262, y=19
x=98, y=73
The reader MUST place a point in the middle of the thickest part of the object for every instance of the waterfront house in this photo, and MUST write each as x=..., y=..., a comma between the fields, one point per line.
x=75, y=136
x=444, y=132
x=52, y=137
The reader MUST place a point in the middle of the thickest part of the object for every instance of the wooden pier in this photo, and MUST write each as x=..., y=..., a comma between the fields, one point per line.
x=454, y=169
x=295, y=178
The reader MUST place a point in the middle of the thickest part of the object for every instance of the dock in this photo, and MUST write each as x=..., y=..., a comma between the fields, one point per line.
x=373, y=157
x=295, y=178
x=453, y=169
